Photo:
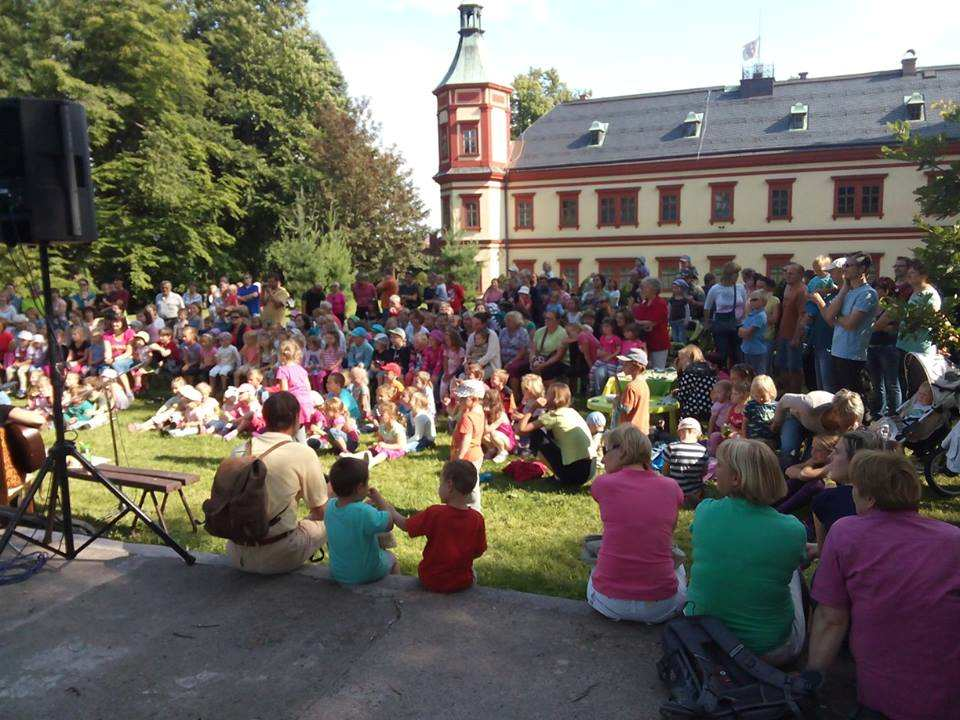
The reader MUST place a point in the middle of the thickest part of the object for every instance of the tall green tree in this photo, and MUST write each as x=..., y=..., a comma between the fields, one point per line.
x=939, y=201
x=535, y=93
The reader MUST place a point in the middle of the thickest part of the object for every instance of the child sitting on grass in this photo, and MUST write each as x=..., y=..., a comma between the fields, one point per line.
x=499, y=440
x=353, y=525
x=340, y=428
x=759, y=411
x=391, y=434
x=686, y=461
x=423, y=422
x=456, y=534
x=359, y=387
x=805, y=480
x=719, y=412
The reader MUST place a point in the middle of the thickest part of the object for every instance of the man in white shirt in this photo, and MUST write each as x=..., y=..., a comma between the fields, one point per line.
x=168, y=303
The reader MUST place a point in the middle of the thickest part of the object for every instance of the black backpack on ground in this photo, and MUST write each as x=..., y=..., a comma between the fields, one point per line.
x=712, y=675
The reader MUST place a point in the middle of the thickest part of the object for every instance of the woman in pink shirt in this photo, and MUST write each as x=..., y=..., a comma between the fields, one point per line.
x=636, y=577
x=338, y=302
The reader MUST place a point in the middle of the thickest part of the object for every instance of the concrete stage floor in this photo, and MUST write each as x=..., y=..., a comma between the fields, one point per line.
x=129, y=631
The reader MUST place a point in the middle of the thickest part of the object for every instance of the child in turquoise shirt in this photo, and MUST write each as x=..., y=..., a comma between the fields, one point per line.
x=353, y=526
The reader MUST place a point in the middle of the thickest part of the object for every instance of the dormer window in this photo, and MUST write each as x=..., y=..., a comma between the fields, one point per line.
x=798, y=117
x=915, y=107
x=597, y=132
x=691, y=126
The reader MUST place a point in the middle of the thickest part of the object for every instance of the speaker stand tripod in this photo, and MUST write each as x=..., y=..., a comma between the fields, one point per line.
x=55, y=466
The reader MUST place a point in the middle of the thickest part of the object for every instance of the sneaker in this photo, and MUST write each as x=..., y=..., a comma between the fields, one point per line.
x=232, y=435
x=501, y=457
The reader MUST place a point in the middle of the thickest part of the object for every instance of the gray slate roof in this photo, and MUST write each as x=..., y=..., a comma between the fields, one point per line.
x=843, y=111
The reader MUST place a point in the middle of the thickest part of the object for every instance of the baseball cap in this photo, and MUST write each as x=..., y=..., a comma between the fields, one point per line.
x=397, y=331
x=471, y=388
x=837, y=264
x=377, y=328
x=681, y=283
x=143, y=335
x=246, y=389
x=231, y=392
x=685, y=258
x=24, y=335
x=524, y=290
x=37, y=337
x=358, y=332
x=637, y=355
x=689, y=423
x=380, y=336
x=394, y=368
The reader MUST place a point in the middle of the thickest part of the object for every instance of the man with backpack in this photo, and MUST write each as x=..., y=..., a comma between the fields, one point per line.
x=256, y=491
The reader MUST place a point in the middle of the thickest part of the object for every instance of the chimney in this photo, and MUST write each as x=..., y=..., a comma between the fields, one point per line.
x=756, y=81
x=908, y=65
x=803, y=75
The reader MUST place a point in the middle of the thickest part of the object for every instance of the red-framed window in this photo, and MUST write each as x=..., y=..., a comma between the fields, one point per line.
x=780, y=199
x=715, y=263
x=668, y=268
x=615, y=270
x=444, y=137
x=857, y=196
x=469, y=139
x=570, y=271
x=525, y=265
x=669, y=203
x=775, y=263
x=569, y=209
x=523, y=212
x=721, y=202
x=617, y=207
x=445, y=212
x=470, y=212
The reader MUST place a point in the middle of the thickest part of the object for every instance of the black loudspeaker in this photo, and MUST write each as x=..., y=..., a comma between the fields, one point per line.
x=46, y=195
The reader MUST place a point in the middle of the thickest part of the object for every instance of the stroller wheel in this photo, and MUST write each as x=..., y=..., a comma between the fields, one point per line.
x=943, y=482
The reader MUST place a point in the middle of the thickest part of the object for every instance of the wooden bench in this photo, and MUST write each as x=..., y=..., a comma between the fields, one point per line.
x=149, y=482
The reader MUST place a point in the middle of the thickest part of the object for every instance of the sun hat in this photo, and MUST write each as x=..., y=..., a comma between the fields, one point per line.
x=397, y=331
x=189, y=392
x=37, y=337
x=394, y=368
x=636, y=355
x=597, y=419
x=246, y=389
x=25, y=335
x=524, y=290
x=231, y=392
x=471, y=388
x=691, y=424
x=358, y=332
x=143, y=335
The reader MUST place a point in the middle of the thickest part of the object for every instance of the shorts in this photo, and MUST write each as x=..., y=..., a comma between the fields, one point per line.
x=789, y=358
x=225, y=370
x=122, y=365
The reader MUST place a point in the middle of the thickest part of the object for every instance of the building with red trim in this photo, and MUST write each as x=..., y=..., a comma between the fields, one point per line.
x=762, y=172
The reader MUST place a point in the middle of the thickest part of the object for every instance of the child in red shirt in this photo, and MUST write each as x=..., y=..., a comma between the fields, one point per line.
x=456, y=534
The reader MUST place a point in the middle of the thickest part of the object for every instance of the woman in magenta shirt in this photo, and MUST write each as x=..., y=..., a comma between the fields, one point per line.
x=652, y=315
x=636, y=577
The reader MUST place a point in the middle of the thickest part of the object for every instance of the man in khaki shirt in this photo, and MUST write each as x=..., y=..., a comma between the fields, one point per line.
x=294, y=473
x=275, y=308
x=634, y=401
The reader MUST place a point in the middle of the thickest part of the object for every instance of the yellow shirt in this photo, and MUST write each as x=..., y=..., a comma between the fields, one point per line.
x=293, y=473
x=275, y=308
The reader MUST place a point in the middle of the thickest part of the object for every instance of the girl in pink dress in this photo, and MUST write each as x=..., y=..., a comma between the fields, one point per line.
x=292, y=377
x=606, y=363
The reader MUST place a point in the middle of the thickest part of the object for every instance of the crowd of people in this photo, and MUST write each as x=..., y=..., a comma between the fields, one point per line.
x=773, y=441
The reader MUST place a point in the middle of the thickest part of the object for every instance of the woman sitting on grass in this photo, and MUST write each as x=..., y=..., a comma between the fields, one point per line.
x=635, y=577
x=746, y=554
x=566, y=447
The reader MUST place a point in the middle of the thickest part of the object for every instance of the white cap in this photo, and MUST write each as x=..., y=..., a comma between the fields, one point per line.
x=597, y=419
x=691, y=424
x=636, y=355
x=246, y=389
x=471, y=388
x=24, y=335
x=230, y=392
x=39, y=338
x=837, y=264
x=524, y=290
x=189, y=392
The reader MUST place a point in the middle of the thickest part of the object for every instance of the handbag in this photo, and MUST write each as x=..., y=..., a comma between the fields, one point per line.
x=540, y=358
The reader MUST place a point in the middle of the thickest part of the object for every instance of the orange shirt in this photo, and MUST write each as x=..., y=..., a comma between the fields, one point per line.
x=635, y=404
x=474, y=424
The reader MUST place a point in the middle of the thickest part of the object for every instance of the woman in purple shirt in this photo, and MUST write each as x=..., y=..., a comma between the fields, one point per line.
x=892, y=579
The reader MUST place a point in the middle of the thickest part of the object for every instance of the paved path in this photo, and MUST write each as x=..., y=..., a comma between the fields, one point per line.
x=129, y=632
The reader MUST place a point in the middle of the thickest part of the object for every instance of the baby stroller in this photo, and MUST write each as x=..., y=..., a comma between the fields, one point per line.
x=925, y=434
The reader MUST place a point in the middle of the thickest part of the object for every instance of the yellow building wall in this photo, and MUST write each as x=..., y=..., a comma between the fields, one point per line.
x=749, y=238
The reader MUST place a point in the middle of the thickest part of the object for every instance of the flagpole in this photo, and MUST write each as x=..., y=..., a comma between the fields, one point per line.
x=759, y=33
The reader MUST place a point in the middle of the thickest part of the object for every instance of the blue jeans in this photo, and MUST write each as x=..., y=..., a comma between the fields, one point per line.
x=792, y=435
x=823, y=366
x=883, y=364
x=678, y=331
x=758, y=361
x=726, y=338
x=789, y=357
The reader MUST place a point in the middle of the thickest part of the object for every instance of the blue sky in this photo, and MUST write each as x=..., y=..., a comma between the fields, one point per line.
x=396, y=51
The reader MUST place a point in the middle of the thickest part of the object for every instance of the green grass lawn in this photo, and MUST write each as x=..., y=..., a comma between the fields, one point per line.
x=533, y=531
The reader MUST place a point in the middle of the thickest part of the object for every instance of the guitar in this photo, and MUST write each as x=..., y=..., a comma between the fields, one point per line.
x=21, y=453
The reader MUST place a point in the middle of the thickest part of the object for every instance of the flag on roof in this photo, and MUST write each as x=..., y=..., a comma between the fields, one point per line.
x=750, y=49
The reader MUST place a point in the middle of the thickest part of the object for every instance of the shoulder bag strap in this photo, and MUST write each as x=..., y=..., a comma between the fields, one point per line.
x=272, y=448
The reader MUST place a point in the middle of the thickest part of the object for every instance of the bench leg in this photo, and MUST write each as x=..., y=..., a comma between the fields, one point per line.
x=143, y=497
x=159, y=509
x=193, y=523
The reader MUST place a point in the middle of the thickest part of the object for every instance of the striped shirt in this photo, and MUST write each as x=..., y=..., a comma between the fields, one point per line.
x=688, y=464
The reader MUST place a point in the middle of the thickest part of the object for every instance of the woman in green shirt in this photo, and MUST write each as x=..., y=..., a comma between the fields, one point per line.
x=746, y=555
x=548, y=353
x=565, y=446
